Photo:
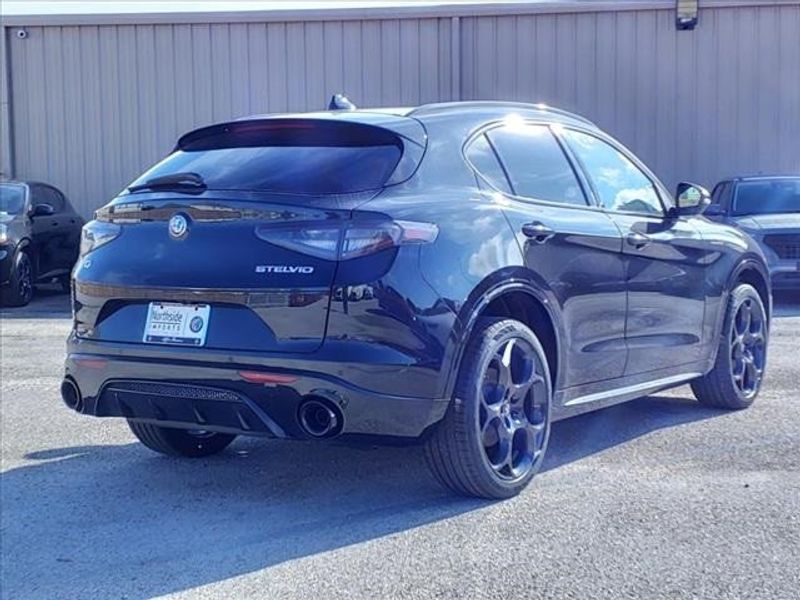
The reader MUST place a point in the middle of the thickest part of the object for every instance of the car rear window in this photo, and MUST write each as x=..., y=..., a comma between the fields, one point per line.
x=288, y=156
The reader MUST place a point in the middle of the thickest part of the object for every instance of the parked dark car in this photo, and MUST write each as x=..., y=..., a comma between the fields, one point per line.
x=460, y=273
x=767, y=208
x=40, y=236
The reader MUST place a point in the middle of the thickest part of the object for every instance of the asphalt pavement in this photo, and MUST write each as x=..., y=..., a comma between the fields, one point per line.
x=657, y=498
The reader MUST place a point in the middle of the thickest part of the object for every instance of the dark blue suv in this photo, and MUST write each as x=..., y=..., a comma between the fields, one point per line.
x=463, y=274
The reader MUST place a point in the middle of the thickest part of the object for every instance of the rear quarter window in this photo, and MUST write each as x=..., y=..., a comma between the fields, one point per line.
x=483, y=159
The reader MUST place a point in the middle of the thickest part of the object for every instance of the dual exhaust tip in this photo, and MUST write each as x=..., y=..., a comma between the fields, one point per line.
x=318, y=417
x=71, y=395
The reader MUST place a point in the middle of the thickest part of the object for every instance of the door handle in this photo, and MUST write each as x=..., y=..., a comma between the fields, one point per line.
x=637, y=240
x=537, y=231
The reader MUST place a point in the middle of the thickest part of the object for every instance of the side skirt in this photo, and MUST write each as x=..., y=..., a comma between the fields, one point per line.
x=576, y=401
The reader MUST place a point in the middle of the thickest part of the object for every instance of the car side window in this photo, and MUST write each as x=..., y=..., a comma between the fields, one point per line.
x=720, y=192
x=716, y=193
x=536, y=164
x=484, y=160
x=725, y=195
x=43, y=194
x=619, y=183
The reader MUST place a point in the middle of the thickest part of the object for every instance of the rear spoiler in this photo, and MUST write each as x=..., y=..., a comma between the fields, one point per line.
x=318, y=129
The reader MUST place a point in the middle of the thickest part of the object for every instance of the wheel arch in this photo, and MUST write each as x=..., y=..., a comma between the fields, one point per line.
x=750, y=271
x=754, y=273
x=526, y=302
x=27, y=246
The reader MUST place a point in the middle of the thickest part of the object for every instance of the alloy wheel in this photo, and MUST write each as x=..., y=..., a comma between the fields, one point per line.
x=513, y=409
x=748, y=347
x=24, y=280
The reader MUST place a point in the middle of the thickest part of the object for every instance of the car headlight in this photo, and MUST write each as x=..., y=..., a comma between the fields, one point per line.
x=97, y=233
x=3, y=233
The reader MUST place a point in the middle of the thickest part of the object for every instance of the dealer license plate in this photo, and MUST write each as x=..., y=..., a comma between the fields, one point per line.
x=179, y=324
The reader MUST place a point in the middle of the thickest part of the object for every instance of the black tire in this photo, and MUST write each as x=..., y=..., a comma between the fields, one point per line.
x=738, y=371
x=19, y=290
x=180, y=442
x=474, y=449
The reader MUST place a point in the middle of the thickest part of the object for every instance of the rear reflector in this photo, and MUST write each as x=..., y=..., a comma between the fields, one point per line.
x=266, y=378
x=91, y=363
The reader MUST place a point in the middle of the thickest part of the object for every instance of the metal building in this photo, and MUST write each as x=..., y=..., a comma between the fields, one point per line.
x=89, y=101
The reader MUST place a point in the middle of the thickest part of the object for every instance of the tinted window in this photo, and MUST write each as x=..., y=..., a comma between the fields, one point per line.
x=621, y=185
x=483, y=158
x=767, y=197
x=292, y=156
x=42, y=194
x=721, y=194
x=536, y=164
x=12, y=198
x=716, y=194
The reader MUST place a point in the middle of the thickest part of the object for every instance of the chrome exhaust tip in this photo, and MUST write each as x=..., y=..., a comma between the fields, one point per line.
x=71, y=395
x=319, y=418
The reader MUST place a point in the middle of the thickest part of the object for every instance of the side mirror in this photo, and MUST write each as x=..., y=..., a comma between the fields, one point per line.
x=691, y=199
x=43, y=210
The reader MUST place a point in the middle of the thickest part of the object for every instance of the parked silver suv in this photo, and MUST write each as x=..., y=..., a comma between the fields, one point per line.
x=768, y=208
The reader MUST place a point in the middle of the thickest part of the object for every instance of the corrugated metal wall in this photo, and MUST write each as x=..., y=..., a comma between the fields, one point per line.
x=697, y=105
x=92, y=106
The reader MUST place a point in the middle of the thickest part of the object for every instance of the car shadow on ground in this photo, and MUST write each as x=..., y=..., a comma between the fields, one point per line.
x=106, y=518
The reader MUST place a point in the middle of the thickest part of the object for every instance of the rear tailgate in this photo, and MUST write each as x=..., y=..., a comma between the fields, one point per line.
x=263, y=297
x=255, y=246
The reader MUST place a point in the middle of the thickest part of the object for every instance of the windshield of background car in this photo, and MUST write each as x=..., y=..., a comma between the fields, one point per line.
x=767, y=196
x=286, y=156
x=12, y=198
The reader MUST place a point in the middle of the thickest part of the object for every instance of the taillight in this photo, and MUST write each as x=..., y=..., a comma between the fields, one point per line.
x=97, y=233
x=345, y=242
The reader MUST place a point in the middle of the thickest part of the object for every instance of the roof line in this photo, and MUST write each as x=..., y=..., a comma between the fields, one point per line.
x=398, y=11
x=541, y=107
x=762, y=176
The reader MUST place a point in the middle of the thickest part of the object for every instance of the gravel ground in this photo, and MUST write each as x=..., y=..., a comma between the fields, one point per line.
x=655, y=498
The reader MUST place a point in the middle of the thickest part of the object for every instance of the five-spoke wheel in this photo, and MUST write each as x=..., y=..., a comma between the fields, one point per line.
x=748, y=347
x=512, y=409
x=735, y=379
x=19, y=290
x=493, y=437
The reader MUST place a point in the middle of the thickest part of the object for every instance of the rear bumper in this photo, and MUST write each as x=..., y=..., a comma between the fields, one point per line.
x=175, y=392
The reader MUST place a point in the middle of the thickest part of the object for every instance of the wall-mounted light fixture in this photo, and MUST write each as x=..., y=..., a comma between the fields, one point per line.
x=687, y=14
